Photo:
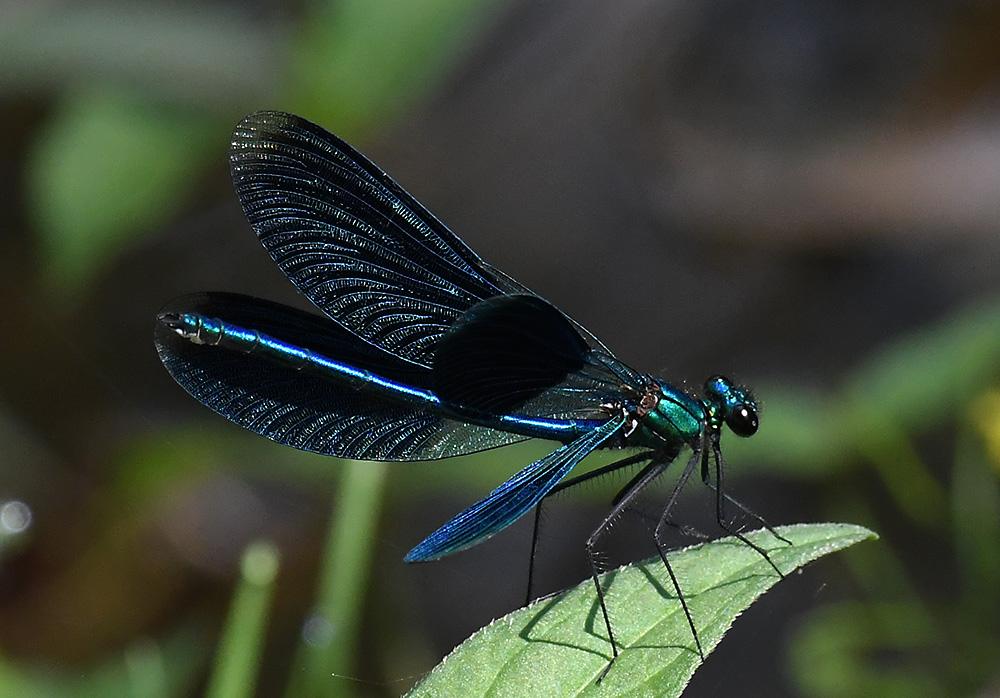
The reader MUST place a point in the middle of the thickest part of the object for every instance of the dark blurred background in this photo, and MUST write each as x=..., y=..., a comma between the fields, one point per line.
x=805, y=196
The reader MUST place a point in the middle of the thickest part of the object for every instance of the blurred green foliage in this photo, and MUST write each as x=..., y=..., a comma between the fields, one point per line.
x=350, y=65
x=355, y=63
x=140, y=100
x=102, y=143
x=237, y=661
x=943, y=375
x=141, y=95
x=167, y=666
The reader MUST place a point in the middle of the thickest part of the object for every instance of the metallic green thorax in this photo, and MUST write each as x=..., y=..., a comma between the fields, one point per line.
x=668, y=416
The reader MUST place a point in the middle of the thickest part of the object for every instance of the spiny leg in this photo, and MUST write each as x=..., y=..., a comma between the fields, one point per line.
x=566, y=484
x=749, y=512
x=651, y=522
x=720, y=499
x=622, y=501
x=657, y=539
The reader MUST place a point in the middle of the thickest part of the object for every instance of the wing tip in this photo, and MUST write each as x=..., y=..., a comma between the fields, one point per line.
x=420, y=554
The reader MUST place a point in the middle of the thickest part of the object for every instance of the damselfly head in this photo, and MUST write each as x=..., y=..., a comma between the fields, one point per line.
x=733, y=404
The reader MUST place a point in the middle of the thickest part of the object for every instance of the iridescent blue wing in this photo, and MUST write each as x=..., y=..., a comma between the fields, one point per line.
x=400, y=287
x=300, y=408
x=512, y=499
x=353, y=241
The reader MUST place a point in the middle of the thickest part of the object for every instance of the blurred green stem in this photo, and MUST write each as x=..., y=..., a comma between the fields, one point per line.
x=146, y=670
x=906, y=476
x=238, y=658
x=330, y=635
x=976, y=530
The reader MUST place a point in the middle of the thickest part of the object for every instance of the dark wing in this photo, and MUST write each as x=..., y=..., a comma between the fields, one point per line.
x=352, y=240
x=299, y=408
x=518, y=354
x=505, y=351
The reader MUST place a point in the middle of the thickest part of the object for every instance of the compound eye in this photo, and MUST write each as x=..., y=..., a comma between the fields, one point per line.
x=743, y=421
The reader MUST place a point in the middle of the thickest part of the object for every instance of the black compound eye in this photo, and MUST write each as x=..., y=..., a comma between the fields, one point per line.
x=743, y=421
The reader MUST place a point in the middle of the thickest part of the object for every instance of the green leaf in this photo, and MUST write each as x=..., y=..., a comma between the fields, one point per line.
x=559, y=647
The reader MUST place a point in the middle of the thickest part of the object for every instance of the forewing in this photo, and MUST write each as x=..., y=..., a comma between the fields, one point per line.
x=352, y=240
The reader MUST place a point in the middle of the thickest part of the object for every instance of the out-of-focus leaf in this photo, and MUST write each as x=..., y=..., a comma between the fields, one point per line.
x=831, y=656
x=559, y=646
x=985, y=413
x=916, y=382
x=975, y=507
x=798, y=435
x=152, y=464
x=356, y=62
x=106, y=167
x=927, y=376
x=17, y=681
